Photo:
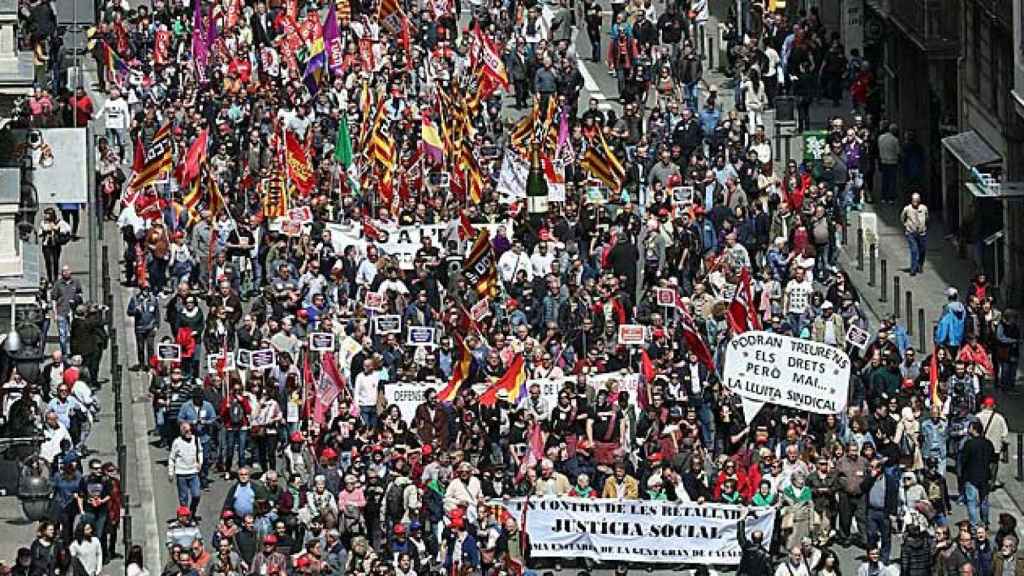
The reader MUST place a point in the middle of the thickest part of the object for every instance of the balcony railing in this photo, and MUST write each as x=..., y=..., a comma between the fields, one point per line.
x=934, y=25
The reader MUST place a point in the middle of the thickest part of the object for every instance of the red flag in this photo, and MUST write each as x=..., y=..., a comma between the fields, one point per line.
x=933, y=379
x=139, y=158
x=300, y=171
x=646, y=377
x=331, y=385
x=742, y=314
x=370, y=231
x=187, y=340
x=196, y=156
x=694, y=342
x=460, y=374
x=466, y=229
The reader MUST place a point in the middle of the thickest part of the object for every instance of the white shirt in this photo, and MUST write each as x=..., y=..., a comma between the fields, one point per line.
x=541, y=263
x=798, y=295
x=366, y=388
x=115, y=114
x=51, y=443
x=511, y=263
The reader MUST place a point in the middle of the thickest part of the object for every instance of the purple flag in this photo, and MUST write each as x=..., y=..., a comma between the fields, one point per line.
x=200, y=53
x=332, y=40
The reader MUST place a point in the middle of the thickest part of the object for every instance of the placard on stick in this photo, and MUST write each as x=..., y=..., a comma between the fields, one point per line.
x=321, y=341
x=388, y=324
x=374, y=301
x=420, y=336
x=168, y=352
x=631, y=334
x=262, y=359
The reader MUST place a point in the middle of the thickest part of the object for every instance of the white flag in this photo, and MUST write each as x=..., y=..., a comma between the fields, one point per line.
x=512, y=178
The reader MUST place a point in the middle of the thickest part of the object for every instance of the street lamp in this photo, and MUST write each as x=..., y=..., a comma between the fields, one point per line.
x=12, y=343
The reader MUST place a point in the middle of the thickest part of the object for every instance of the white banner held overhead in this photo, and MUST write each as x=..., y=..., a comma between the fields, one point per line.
x=766, y=368
x=401, y=242
x=639, y=530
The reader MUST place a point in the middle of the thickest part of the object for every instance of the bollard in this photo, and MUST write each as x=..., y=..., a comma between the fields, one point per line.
x=896, y=295
x=122, y=460
x=921, y=330
x=126, y=525
x=1020, y=456
x=872, y=256
x=885, y=284
x=860, y=249
x=910, y=312
x=846, y=233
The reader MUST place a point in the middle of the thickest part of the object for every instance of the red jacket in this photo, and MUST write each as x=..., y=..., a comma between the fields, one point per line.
x=225, y=411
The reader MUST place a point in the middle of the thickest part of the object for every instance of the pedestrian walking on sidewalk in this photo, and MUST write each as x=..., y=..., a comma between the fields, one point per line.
x=888, y=162
x=915, y=227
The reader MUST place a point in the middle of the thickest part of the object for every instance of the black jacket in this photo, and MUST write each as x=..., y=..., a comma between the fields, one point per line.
x=755, y=561
x=978, y=453
x=917, y=556
x=892, y=488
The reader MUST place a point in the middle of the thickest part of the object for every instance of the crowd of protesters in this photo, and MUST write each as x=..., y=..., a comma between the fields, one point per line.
x=351, y=486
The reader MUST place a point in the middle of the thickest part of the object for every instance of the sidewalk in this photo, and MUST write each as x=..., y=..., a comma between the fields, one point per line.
x=15, y=530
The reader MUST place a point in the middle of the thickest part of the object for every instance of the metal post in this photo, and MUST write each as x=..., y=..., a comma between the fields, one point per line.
x=896, y=295
x=871, y=268
x=921, y=329
x=910, y=312
x=846, y=233
x=860, y=249
x=126, y=525
x=1020, y=456
x=885, y=284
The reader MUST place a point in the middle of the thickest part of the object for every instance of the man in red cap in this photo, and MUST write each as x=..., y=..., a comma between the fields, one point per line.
x=183, y=530
x=458, y=547
x=269, y=560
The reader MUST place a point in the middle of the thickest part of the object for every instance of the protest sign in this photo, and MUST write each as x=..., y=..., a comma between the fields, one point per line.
x=401, y=242
x=420, y=336
x=408, y=396
x=666, y=297
x=612, y=530
x=481, y=309
x=762, y=367
x=389, y=324
x=321, y=341
x=374, y=301
x=212, y=361
x=301, y=214
x=242, y=358
x=858, y=337
x=168, y=352
x=631, y=334
x=262, y=359
x=291, y=228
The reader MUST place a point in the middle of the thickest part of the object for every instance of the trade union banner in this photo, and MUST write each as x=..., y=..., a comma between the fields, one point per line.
x=638, y=530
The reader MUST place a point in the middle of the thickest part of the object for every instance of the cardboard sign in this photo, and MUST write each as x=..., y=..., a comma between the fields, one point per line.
x=682, y=195
x=321, y=341
x=858, y=337
x=291, y=228
x=480, y=310
x=763, y=367
x=242, y=358
x=440, y=179
x=301, y=214
x=374, y=301
x=213, y=359
x=631, y=334
x=388, y=324
x=262, y=359
x=168, y=352
x=420, y=336
x=666, y=297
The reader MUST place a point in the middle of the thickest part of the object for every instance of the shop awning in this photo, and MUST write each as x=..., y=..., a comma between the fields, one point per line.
x=1006, y=191
x=970, y=150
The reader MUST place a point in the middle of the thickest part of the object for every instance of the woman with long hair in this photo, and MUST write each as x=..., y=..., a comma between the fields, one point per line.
x=134, y=563
x=54, y=233
x=86, y=552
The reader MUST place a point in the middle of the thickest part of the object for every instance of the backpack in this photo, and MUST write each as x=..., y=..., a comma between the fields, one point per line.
x=394, y=502
x=236, y=413
x=351, y=521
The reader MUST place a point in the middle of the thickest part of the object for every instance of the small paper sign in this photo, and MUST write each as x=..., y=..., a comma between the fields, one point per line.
x=291, y=228
x=420, y=336
x=321, y=341
x=631, y=334
x=301, y=214
x=481, y=310
x=858, y=337
x=262, y=359
x=374, y=301
x=388, y=324
x=242, y=358
x=168, y=352
x=666, y=297
x=212, y=361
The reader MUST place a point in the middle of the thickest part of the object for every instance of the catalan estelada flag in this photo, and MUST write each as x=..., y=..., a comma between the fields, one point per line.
x=601, y=163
